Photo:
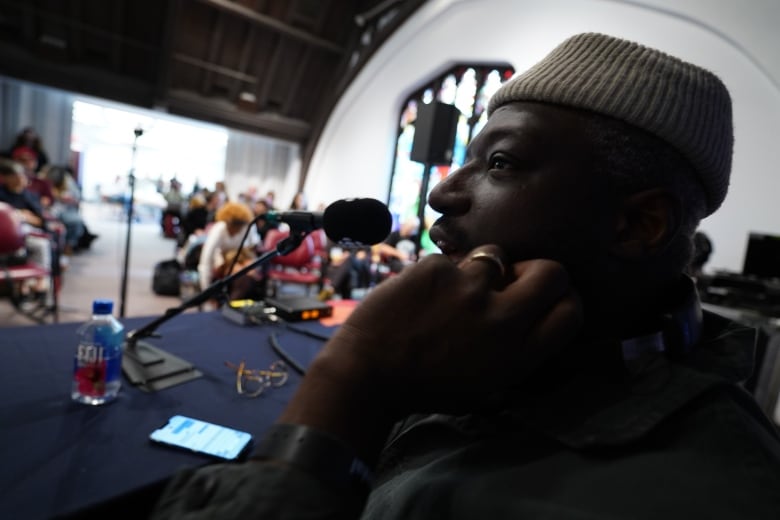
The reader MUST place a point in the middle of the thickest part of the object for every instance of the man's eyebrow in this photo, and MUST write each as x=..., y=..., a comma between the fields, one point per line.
x=493, y=134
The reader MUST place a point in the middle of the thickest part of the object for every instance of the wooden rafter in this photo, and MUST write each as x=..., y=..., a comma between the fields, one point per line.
x=276, y=25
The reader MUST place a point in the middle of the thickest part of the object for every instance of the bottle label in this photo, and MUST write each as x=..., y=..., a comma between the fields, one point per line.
x=93, y=369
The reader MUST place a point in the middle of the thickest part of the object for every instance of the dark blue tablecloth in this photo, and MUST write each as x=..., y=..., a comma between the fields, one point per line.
x=59, y=456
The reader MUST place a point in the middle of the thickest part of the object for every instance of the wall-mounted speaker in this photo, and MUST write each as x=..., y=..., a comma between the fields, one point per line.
x=434, y=133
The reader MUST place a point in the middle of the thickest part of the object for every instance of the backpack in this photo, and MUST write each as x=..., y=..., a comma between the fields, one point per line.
x=165, y=280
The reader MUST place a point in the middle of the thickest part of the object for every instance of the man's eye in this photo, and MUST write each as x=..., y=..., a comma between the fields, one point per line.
x=498, y=163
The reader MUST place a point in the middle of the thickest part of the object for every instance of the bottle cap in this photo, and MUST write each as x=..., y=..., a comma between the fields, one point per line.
x=102, y=306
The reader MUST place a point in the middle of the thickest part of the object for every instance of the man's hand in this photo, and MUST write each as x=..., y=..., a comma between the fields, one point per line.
x=439, y=337
x=444, y=337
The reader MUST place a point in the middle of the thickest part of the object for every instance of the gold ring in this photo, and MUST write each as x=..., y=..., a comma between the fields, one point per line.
x=490, y=257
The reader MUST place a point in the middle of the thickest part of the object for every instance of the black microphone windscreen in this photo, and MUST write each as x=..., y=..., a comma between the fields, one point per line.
x=363, y=221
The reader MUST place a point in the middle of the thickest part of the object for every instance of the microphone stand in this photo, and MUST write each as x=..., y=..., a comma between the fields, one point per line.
x=138, y=132
x=426, y=179
x=151, y=368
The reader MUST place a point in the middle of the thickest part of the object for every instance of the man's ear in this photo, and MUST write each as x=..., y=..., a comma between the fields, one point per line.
x=645, y=224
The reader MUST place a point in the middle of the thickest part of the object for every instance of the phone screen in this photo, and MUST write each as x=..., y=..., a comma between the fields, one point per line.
x=202, y=437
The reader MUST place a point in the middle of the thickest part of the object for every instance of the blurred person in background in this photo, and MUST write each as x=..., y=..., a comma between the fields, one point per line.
x=299, y=202
x=41, y=187
x=67, y=200
x=39, y=247
x=170, y=221
x=260, y=207
x=400, y=248
x=28, y=138
x=223, y=239
x=195, y=219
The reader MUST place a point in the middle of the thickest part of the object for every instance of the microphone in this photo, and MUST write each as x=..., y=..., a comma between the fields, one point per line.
x=352, y=221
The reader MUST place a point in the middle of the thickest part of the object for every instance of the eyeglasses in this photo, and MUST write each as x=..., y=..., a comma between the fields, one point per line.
x=251, y=382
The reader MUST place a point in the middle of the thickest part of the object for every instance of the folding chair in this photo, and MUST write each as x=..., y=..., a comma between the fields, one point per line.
x=16, y=270
x=303, y=266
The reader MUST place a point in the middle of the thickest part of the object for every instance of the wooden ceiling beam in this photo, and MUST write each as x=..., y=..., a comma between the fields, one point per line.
x=292, y=93
x=295, y=85
x=31, y=14
x=262, y=93
x=211, y=67
x=189, y=104
x=91, y=81
x=215, y=44
x=243, y=61
x=273, y=23
x=165, y=56
x=263, y=89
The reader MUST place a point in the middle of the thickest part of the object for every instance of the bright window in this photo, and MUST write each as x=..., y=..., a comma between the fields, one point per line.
x=468, y=87
x=104, y=134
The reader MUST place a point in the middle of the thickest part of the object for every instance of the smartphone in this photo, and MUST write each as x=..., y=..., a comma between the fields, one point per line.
x=203, y=437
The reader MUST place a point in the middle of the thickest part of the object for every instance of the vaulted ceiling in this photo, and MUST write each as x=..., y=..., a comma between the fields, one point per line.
x=273, y=67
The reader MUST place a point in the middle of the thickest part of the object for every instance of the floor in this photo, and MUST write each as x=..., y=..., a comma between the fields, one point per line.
x=97, y=273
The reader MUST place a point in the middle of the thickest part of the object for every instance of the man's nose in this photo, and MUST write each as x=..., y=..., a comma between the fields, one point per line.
x=451, y=195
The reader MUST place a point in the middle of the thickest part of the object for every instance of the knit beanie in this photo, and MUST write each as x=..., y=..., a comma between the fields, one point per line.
x=681, y=103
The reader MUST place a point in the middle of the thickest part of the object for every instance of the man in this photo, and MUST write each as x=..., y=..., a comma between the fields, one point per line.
x=553, y=363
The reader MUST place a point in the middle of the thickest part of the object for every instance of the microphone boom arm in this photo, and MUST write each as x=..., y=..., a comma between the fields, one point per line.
x=147, y=366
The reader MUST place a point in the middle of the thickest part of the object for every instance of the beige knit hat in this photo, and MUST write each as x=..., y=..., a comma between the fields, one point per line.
x=681, y=103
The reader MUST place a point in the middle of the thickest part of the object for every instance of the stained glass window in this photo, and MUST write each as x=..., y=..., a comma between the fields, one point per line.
x=468, y=87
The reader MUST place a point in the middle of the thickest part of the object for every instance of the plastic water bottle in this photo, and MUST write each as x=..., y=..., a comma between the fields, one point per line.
x=97, y=365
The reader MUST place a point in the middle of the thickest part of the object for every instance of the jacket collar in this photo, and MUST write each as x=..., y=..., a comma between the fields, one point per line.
x=597, y=408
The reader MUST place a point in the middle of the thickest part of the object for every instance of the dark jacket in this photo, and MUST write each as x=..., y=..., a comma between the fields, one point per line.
x=23, y=200
x=656, y=439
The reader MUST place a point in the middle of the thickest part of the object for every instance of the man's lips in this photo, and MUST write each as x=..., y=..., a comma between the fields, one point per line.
x=448, y=241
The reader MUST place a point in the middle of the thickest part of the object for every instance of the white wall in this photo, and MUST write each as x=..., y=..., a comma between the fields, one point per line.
x=47, y=110
x=736, y=40
x=262, y=164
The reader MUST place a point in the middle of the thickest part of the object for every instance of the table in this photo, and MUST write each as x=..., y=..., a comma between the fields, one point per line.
x=60, y=456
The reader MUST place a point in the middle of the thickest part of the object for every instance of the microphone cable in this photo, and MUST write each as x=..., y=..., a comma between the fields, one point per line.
x=233, y=263
x=280, y=351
